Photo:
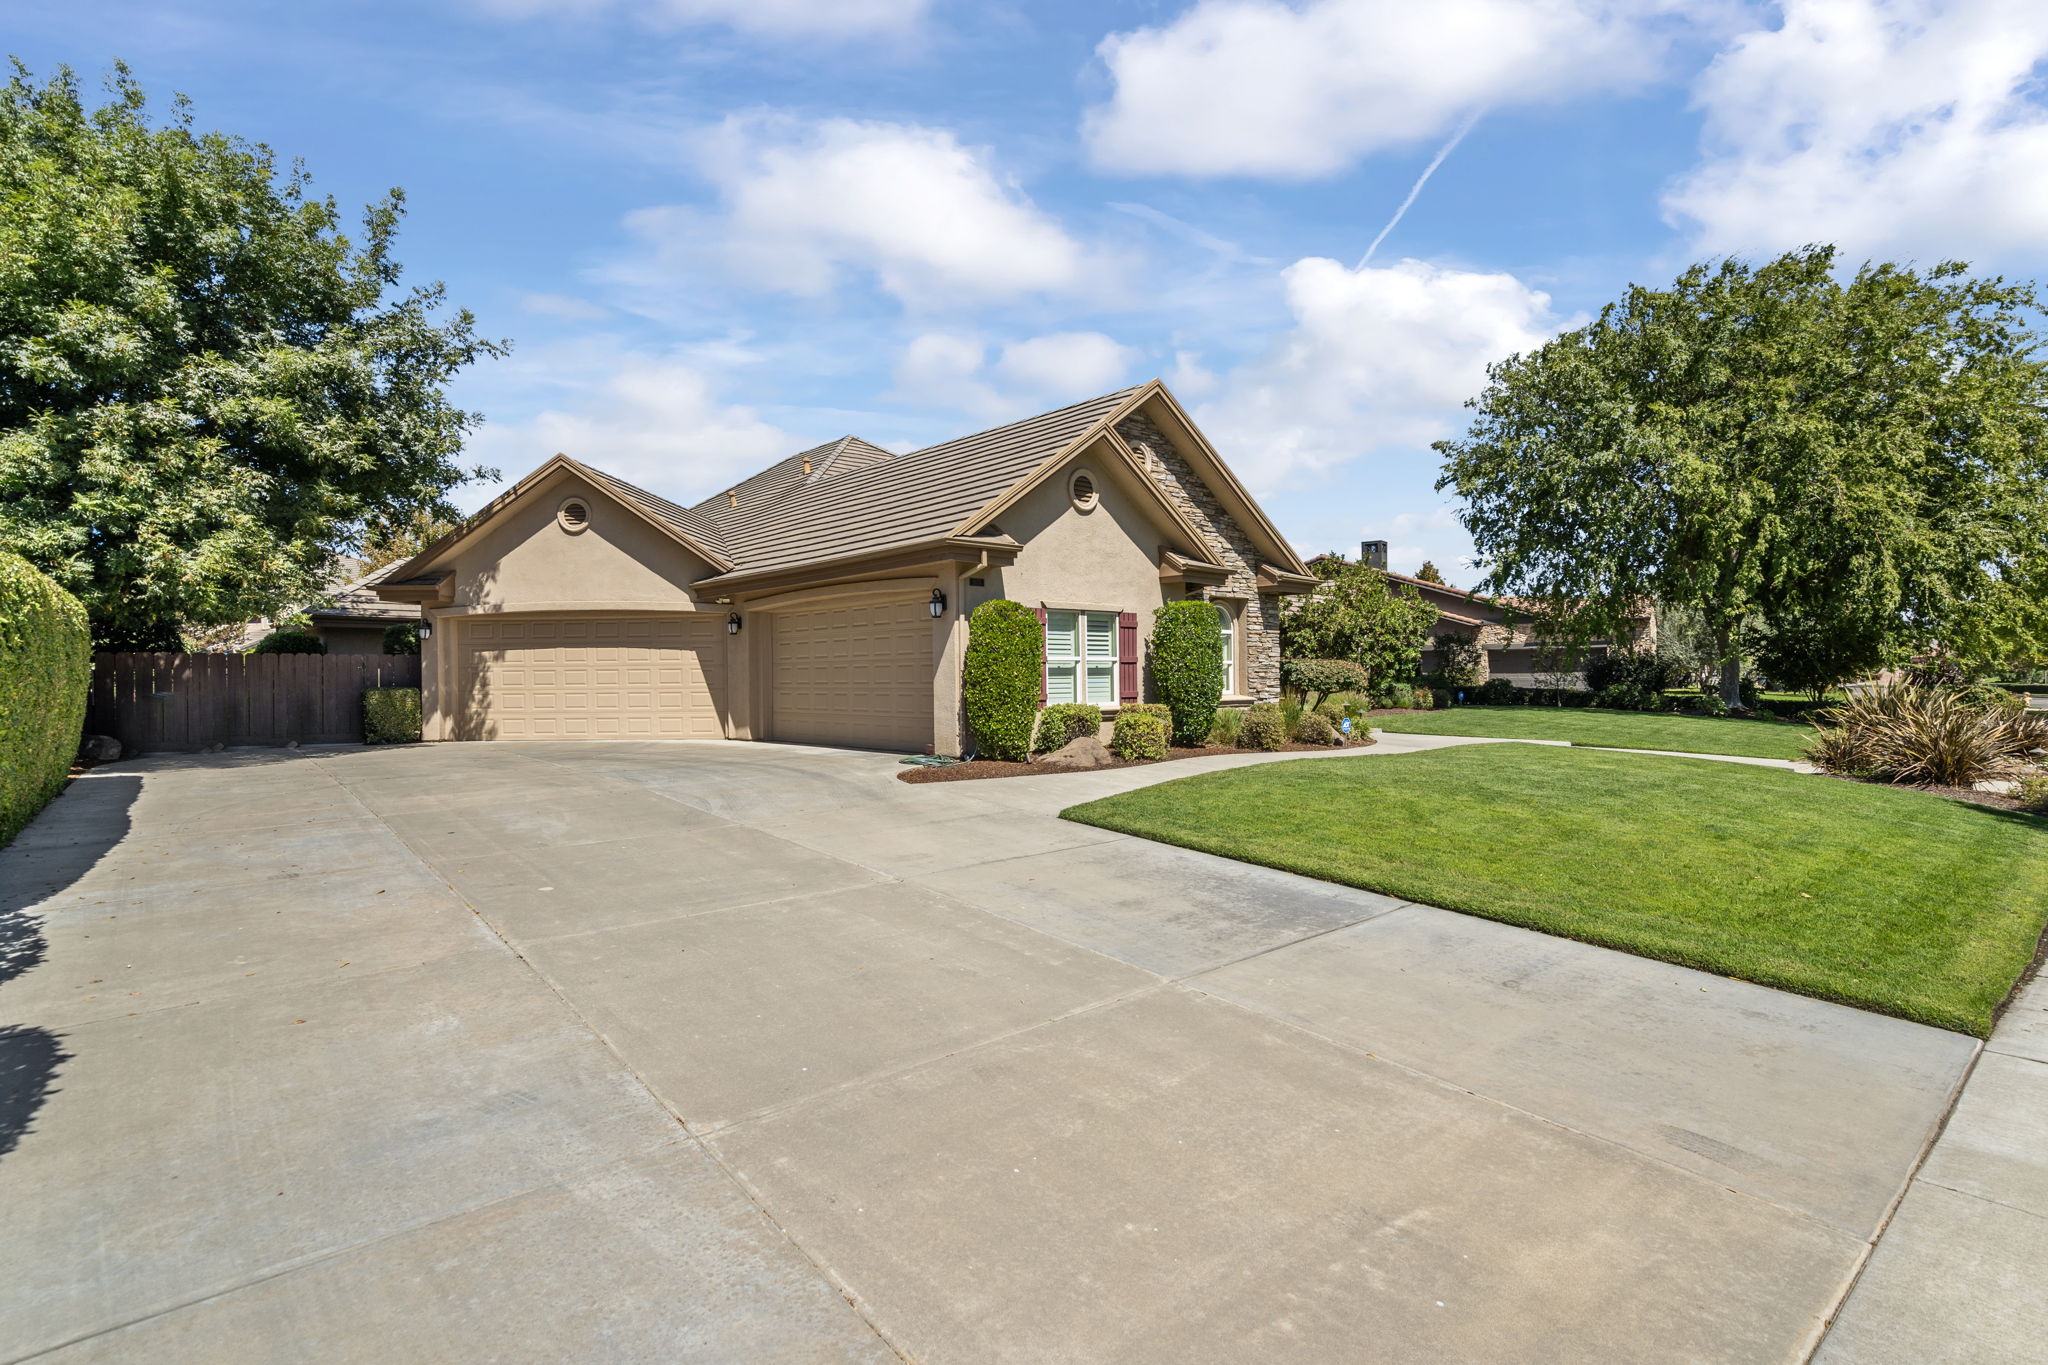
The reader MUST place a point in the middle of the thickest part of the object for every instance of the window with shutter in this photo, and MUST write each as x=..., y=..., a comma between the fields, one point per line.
x=1081, y=657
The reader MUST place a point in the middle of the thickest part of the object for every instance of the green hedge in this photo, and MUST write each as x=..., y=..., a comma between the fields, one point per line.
x=391, y=715
x=290, y=642
x=45, y=671
x=1001, y=678
x=1187, y=666
x=1059, y=726
x=1265, y=727
x=403, y=638
x=1138, y=734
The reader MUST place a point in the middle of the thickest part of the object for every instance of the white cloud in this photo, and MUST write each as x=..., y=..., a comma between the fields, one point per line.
x=564, y=306
x=1381, y=357
x=654, y=420
x=954, y=370
x=768, y=18
x=1884, y=125
x=803, y=204
x=1257, y=87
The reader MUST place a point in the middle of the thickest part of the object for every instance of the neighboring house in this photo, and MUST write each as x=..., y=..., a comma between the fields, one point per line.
x=825, y=599
x=1511, y=642
x=350, y=619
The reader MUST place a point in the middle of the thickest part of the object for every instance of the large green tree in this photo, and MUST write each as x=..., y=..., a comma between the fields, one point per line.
x=206, y=388
x=1781, y=444
x=1360, y=615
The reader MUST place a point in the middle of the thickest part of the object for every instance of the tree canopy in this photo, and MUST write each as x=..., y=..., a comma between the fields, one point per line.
x=206, y=389
x=1428, y=572
x=1359, y=615
x=1776, y=443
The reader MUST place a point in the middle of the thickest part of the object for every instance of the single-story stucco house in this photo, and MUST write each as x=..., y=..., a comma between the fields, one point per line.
x=350, y=619
x=825, y=599
x=1512, y=643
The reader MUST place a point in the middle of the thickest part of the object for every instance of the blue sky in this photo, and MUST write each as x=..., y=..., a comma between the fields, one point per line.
x=718, y=231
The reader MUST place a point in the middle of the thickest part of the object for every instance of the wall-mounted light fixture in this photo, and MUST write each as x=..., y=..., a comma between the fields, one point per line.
x=732, y=623
x=938, y=604
x=426, y=630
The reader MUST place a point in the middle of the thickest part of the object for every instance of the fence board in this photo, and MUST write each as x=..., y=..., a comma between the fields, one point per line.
x=156, y=703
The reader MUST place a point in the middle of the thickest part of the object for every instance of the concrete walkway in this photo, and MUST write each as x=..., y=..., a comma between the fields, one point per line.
x=751, y=1052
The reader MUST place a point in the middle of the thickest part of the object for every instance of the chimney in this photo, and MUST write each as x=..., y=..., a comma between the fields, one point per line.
x=1373, y=553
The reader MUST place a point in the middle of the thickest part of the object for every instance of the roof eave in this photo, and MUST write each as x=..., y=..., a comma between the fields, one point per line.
x=996, y=551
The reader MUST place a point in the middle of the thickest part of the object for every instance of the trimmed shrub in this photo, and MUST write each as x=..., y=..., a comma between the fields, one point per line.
x=1148, y=708
x=1000, y=678
x=1138, y=734
x=1315, y=728
x=391, y=715
x=1629, y=672
x=403, y=638
x=1496, y=692
x=1706, y=704
x=1059, y=726
x=1927, y=736
x=1187, y=666
x=290, y=642
x=1264, y=727
x=1315, y=679
x=45, y=669
x=1227, y=726
x=1425, y=698
x=2033, y=793
x=1458, y=659
x=1400, y=696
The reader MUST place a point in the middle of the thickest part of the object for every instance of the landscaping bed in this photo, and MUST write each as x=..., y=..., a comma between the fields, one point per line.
x=1884, y=898
x=1595, y=728
x=981, y=768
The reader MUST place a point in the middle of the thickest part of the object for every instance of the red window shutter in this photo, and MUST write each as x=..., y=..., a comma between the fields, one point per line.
x=1127, y=656
x=1042, y=665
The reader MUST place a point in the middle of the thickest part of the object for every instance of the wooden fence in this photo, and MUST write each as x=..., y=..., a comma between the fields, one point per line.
x=156, y=703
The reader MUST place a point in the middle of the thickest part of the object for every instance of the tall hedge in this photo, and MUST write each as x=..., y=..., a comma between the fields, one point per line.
x=45, y=669
x=1000, y=681
x=1187, y=666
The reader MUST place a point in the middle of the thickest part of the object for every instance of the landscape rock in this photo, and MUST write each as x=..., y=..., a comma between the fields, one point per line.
x=1077, y=754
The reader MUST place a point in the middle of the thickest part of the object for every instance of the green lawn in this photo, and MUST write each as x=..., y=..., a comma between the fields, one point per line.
x=1609, y=729
x=1892, y=900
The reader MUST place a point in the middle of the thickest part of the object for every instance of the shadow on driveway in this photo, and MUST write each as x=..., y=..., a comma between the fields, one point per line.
x=40, y=864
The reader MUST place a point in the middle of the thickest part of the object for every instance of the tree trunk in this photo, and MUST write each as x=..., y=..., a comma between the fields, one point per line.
x=1731, y=667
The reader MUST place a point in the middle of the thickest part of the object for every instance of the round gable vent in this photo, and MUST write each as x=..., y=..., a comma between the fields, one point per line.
x=1081, y=488
x=573, y=514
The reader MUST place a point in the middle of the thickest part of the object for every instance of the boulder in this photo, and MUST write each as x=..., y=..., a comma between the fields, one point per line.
x=99, y=749
x=1085, y=752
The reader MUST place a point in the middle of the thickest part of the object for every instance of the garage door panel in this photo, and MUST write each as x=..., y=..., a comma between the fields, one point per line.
x=594, y=679
x=860, y=676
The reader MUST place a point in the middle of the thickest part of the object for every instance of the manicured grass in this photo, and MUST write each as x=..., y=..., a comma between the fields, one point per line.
x=1892, y=900
x=1609, y=729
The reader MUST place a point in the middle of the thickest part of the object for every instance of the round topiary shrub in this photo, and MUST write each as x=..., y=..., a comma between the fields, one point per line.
x=1001, y=677
x=1265, y=727
x=1059, y=726
x=1316, y=728
x=1496, y=692
x=1138, y=735
x=290, y=642
x=1187, y=666
x=45, y=668
x=1315, y=679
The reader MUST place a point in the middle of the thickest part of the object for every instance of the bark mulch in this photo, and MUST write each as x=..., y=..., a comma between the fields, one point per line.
x=983, y=767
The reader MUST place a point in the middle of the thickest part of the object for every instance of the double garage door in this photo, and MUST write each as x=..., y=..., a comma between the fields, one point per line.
x=860, y=676
x=595, y=678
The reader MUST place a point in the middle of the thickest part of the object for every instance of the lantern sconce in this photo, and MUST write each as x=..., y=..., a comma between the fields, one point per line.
x=732, y=623
x=426, y=630
x=938, y=604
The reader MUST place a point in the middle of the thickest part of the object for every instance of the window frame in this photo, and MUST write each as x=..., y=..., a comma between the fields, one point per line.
x=1081, y=667
x=1227, y=614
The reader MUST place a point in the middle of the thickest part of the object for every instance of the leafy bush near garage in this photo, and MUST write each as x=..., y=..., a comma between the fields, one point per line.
x=1001, y=678
x=45, y=669
x=1187, y=666
x=1138, y=734
x=1265, y=727
x=1496, y=692
x=391, y=715
x=1061, y=725
x=290, y=642
x=403, y=638
x=1315, y=679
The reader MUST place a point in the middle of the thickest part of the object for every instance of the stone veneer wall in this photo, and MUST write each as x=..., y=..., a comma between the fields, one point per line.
x=1259, y=618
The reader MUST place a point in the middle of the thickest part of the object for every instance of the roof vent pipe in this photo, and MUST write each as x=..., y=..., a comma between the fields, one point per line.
x=1373, y=554
x=807, y=466
x=732, y=497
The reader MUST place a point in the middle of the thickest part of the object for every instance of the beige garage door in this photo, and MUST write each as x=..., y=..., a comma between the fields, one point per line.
x=648, y=678
x=860, y=676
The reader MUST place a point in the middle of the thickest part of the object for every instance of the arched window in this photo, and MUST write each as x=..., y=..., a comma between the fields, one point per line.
x=1229, y=624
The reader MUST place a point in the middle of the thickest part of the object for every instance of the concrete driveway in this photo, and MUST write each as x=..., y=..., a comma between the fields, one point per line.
x=734, y=1052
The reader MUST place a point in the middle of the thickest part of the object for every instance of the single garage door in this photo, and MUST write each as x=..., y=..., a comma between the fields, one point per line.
x=629, y=678
x=860, y=676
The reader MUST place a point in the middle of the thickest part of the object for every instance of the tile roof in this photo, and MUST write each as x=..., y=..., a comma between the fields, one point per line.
x=859, y=497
